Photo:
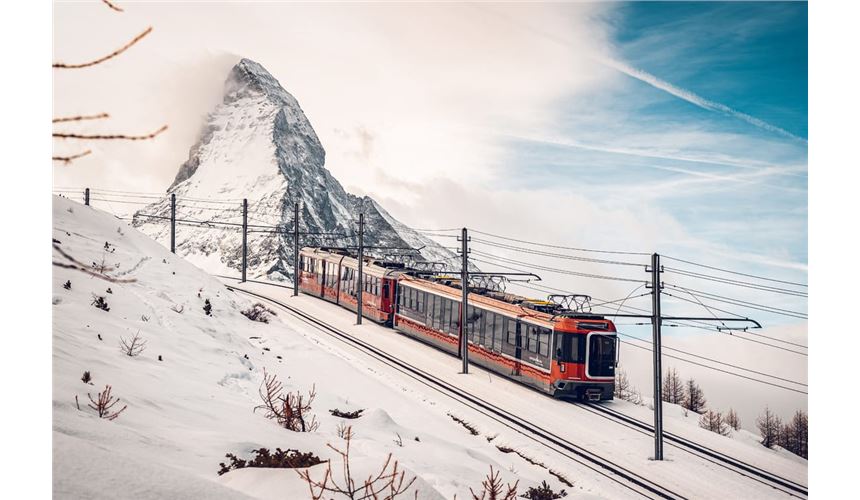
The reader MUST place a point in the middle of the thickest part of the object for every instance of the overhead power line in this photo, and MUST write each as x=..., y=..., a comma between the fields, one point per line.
x=716, y=361
x=533, y=243
x=728, y=281
x=555, y=255
x=718, y=369
x=550, y=269
x=736, y=272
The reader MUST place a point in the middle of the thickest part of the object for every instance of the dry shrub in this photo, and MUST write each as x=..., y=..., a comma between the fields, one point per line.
x=385, y=485
x=346, y=414
x=289, y=459
x=291, y=410
x=492, y=488
x=259, y=312
x=103, y=406
x=132, y=347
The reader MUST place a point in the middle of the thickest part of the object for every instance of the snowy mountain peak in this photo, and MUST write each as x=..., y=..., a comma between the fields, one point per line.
x=258, y=144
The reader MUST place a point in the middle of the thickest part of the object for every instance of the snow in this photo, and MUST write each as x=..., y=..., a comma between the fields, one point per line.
x=185, y=412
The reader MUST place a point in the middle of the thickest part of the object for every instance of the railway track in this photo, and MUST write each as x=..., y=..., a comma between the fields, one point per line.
x=622, y=476
x=755, y=473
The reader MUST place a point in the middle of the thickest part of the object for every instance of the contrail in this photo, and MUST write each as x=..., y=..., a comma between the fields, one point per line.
x=648, y=78
x=690, y=96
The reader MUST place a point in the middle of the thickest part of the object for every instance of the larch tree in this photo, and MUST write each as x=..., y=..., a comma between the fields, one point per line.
x=733, y=420
x=770, y=428
x=714, y=422
x=674, y=390
x=694, y=399
x=794, y=436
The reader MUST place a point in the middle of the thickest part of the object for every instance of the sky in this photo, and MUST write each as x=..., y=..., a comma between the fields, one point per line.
x=678, y=128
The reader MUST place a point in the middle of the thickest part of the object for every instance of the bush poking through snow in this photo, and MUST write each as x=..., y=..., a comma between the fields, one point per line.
x=387, y=484
x=259, y=312
x=345, y=431
x=67, y=285
x=469, y=427
x=103, y=406
x=86, y=377
x=207, y=308
x=100, y=303
x=132, y=347
x=289, y=459
x=346, y=414
x=543, y=492
x=290, y=411
x=492, y=488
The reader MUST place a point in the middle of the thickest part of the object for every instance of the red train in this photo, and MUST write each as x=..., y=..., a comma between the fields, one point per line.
x=564, y=354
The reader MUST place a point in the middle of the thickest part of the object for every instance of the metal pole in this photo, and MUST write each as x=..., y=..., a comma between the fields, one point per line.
x=172, y=222
x=656, y=321
x=87, y=196
x=464, y=323
x=244, y=239
x=360, y=286
x=296, y=249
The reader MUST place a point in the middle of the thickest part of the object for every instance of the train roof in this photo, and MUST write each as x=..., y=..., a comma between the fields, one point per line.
x=372, y=267
x=542, y=312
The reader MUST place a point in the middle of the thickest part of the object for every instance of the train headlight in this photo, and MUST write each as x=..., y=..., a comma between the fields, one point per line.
x=561, y=367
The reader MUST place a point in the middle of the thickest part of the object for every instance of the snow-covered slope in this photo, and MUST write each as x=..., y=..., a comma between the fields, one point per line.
x=191, y=392
x=258, y=144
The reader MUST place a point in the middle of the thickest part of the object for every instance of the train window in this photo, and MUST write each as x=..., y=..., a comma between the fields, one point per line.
x=544, y=342
x=498, y=333
x=437, y=313
x=419, y=301
x=533, y=339
x=511, y=332
x=489, y=329
x=448, y=316
x=429, y=306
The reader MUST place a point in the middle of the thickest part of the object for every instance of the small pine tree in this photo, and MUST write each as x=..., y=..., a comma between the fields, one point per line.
x=733, y=420
x=694, y=399
x=67, y=285
x=207, y=308
x=769, y=426
x=674, y=390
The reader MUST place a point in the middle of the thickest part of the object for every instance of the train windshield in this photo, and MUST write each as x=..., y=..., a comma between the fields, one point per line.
x=570, y=348
x=601, y=356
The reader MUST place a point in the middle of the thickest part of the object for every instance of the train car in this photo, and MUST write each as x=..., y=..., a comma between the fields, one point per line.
x=332, y=275
x=566, y=355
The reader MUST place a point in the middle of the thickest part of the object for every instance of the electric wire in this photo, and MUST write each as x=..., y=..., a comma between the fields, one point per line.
x=557, y=246
x=716, y=361
x=743, y=284
x=718, y=369
x=555, y=255
x=736, y=272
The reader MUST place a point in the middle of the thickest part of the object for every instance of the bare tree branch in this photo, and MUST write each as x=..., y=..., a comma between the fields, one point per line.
x=105, y=58
x=79, y=118
x=61, y=135
x=112, y=6
x=69, y=159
